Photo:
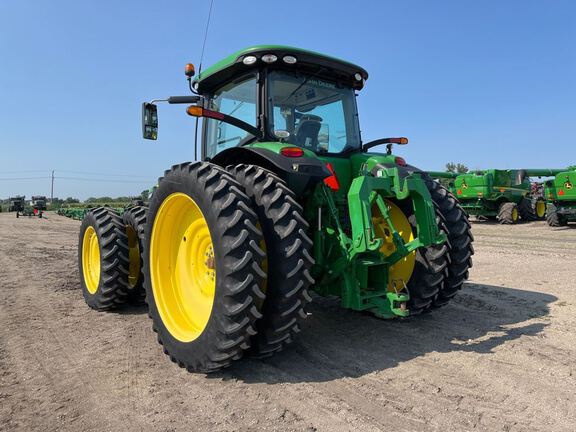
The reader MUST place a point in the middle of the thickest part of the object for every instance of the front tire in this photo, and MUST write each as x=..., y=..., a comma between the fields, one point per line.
x=202, y=267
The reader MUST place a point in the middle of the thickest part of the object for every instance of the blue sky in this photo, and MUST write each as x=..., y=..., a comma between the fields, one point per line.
x=489, y=84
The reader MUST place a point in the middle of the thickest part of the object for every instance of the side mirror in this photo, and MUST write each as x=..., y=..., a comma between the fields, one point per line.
x=149, y=121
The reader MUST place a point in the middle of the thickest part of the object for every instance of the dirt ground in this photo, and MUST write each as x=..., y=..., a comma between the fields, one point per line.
x=501, y=356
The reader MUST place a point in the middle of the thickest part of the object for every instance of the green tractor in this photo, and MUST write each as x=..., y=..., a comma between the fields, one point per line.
x=286, y=199
x=504, y=195
x=560, y=193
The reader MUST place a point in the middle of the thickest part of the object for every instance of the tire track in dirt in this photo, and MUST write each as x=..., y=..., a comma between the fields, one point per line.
x=500, y=357
x=63, y=378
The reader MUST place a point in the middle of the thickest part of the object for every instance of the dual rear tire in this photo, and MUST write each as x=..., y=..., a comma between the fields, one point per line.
x=214, y=237
x=103, y=259
x=441, y=270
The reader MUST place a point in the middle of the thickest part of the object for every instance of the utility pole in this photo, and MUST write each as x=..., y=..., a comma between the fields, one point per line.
x=52, y=189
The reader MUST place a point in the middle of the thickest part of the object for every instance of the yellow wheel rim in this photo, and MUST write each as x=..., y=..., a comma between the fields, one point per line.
x=514, y=214
x=182, y=267
x=540, y=209
x=401, y=272
x=133, y=255
x=91, y=260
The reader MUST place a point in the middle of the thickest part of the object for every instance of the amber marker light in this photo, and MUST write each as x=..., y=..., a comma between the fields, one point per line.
x=189, y=70
x=195, y=111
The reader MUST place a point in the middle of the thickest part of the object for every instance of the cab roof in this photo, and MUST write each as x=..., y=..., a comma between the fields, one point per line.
x=233, y=65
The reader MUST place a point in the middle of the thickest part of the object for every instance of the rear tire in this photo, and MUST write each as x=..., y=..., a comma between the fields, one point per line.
x=220, y=207
x=508, y=213
x=103, y=264
x=288, y=258
x=456, y=225
x=553, y=218
x=135, y=223
x=430, y=267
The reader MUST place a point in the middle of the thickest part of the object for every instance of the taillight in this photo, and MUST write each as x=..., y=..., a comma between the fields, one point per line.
x=459, y=191
x=400, y=161
x=292, y=152
x=332, y=181
x=561, y=192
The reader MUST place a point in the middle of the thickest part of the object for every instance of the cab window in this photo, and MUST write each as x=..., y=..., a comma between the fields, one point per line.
x=314, y=114
x=237, y=99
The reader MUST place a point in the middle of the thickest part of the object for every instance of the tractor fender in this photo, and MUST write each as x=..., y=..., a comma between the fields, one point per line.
x=300, y=173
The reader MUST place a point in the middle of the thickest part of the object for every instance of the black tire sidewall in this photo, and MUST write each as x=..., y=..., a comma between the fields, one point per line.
x=129, y=218
x=89, y=221
x=199, y=352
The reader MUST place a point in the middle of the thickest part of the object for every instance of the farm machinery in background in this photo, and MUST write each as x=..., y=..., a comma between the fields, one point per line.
x=79, y=211
x=505, y=195
x=560, y=193
x=286, y=198
x=16, y=203
x=39, y=202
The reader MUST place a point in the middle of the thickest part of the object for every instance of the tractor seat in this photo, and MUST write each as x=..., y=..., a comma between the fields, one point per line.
x=307, y=133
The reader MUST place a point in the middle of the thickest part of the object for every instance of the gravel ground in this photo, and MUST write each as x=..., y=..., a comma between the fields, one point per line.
x=499, y=357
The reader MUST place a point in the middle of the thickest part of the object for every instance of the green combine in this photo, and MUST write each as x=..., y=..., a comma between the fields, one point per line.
x=560, y=193
x=39, y=202
x=287, y=198
x=504, y=195
x=16, y=203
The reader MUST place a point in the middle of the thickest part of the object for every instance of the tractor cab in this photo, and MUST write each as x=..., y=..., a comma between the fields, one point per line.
x=290, y=95
x=270, y=104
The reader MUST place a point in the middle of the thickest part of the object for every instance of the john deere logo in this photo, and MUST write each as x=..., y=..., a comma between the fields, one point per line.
x=464, y=185
x=568, y=185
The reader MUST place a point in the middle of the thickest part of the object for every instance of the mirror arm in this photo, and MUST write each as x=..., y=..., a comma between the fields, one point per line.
x=388, y=141
x=178, y=100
